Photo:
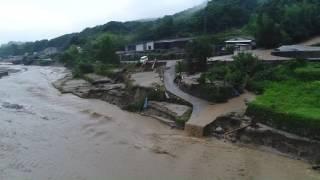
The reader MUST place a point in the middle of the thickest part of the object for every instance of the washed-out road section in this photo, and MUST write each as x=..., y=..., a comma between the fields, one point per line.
x=204, y=112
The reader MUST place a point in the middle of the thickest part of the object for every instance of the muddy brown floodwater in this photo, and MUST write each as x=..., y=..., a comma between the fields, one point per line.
x=46, y=135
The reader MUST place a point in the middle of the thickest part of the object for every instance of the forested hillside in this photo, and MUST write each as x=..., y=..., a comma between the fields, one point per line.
x=272, y=22
x=286, y=21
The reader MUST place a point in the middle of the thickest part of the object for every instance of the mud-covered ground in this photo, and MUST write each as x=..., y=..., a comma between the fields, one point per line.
x=46, y=135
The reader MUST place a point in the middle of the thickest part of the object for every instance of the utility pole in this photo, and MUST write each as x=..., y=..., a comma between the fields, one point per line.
x=205, y=28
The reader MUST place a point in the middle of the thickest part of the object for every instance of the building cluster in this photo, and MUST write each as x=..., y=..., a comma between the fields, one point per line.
x=167, y=44
x=29, y=58
x=176, y=48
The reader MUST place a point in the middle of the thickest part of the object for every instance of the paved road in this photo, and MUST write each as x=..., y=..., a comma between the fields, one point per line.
x=204, y=112
x=169, y=76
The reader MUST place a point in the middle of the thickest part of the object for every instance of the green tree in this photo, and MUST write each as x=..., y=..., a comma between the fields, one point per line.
x=286, y=21
x=197, y=53
x=268, y=32
x=246, y=63
x=238, y=73
x=70, y=56
x=104, y=50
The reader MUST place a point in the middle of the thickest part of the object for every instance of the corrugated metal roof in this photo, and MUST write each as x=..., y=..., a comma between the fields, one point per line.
x=239, y=40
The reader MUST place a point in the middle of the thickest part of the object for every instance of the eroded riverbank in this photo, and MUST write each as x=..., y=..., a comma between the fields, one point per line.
x=55, y=136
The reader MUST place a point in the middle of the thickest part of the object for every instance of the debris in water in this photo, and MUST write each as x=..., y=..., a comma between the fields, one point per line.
x=12, y=106
x=45, y=118
x=219, y=130
x=96, y=115
x=158, y=150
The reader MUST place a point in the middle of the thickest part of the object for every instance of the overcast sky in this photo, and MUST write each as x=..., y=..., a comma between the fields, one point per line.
x=29, y=20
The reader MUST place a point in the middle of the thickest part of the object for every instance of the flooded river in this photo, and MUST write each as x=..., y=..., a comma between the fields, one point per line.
x=46, y=135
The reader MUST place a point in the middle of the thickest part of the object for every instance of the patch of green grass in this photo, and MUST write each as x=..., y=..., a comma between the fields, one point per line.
x=309, y=72
x=291, y=105
x=293, y=97
x=290, y=97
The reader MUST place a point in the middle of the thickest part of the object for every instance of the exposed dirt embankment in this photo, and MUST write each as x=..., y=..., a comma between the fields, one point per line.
x=240, y=129
x=130, y=93
x=112, y=92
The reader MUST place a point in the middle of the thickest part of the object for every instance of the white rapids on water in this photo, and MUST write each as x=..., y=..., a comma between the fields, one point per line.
x=47, y=135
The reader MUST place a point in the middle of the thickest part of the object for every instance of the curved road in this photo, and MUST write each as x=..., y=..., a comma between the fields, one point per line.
x=169, y=76
x=203, y=113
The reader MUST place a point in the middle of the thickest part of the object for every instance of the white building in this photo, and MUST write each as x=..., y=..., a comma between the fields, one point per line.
x=147, y=46
x=150, y=46
x=140, y=47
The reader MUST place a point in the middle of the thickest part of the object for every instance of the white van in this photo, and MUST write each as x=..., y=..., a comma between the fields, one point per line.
x=144, y=59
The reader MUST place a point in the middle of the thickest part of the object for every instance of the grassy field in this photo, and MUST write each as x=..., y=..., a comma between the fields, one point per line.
x=309, y=72
x=292, y=104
